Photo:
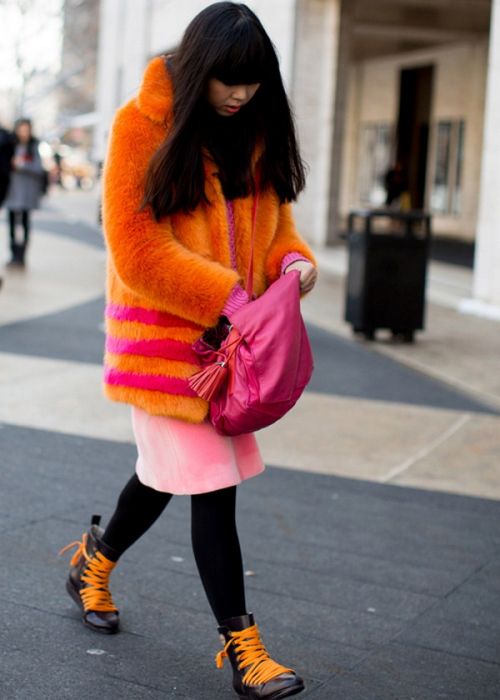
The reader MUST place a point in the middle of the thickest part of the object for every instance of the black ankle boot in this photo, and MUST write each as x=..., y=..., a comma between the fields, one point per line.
x=17, y=259
x=255, y=675
x=88, y=580
x=21, y=254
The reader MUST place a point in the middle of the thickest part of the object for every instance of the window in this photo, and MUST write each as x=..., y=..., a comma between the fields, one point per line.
x=374, y=162
x=456, y=201
x=446, y=193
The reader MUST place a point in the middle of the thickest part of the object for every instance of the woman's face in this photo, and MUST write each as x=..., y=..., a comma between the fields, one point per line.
x=23, y=132
x=228, y=99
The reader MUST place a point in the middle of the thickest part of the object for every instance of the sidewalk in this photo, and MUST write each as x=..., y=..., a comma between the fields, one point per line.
x=364, y=571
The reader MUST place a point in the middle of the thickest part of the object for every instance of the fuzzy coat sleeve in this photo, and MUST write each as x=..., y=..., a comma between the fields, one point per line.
x=145, y=254
x=286, y=240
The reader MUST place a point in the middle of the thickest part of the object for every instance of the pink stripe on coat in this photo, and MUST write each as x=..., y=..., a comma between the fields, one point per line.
x=149, y=317
x=165, y=348
x=149, y=382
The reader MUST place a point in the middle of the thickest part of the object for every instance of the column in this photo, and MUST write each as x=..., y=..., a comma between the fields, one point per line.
x=111, y=20
x=334, y=224
x=134, y=49
x=486, y=291
x=313, y=97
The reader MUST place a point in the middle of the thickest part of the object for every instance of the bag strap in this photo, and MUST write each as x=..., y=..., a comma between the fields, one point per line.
x=249, y=284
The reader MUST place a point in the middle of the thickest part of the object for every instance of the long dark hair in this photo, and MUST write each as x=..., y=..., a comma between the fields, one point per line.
x=228, y=42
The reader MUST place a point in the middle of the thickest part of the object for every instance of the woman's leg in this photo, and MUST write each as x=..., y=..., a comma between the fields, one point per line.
x=137, y=509
x=25, y=218
x=217, y=551
x=218, y=557
x=92, y=564
x=12, y=229
x=20, y=248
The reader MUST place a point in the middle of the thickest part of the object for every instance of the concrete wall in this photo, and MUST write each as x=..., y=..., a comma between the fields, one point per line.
x=350, y=158
x=459, y=93
x=119, y=64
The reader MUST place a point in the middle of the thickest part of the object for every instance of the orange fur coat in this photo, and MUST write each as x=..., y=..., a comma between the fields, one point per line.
x=168, y=281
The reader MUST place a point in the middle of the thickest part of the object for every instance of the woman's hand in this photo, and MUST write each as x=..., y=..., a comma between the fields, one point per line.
x=308, y=274
x=18, y=162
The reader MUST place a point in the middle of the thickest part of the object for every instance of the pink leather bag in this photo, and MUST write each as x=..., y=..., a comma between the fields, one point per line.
x=264, y=363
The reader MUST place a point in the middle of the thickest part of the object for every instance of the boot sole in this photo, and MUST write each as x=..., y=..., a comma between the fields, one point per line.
x=280, y=694
x=70, y=587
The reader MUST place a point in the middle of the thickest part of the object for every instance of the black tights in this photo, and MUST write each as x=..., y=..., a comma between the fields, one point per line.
x=214, y=537
x=24, y=215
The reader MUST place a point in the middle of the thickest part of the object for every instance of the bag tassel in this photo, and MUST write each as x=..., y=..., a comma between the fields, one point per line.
x=208, y=381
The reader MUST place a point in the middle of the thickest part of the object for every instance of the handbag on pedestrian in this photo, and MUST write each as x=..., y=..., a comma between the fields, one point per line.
x=259, y=370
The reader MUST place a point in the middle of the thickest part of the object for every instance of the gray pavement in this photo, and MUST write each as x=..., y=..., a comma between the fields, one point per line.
x=373, y=591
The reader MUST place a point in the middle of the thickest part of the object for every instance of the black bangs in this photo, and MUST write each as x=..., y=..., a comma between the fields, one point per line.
x=244, y=57
x=225, y=41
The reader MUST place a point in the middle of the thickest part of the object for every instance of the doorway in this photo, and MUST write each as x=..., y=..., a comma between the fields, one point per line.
x=412, y=135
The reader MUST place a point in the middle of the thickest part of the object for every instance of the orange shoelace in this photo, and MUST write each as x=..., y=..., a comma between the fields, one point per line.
x=250, y=651
x=96, y=595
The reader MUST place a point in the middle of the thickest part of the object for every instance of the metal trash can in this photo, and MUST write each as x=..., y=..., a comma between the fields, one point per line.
x=387, y=272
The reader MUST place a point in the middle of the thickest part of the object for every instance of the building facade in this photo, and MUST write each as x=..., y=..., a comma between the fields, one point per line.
x=412, y=82
x=78, y=74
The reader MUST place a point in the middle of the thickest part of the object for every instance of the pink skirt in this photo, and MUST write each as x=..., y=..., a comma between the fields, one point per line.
x=184, y=458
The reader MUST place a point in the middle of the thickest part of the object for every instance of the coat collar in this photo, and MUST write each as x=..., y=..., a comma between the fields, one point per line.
x=155, y=98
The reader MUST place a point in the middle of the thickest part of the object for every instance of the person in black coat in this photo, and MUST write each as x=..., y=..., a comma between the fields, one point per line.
x=6, y=155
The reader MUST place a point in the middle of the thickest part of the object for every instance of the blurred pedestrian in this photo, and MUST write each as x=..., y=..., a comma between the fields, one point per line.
x=395, y=184
x=6, y=155
x=26, y=186
x=58, y=167
x=210, y=125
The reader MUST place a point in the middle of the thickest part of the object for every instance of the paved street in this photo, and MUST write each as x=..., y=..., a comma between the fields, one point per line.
x=371, y=542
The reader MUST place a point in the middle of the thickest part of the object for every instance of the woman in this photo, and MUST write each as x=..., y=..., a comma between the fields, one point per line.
x=25, y=187
x=210, y=124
